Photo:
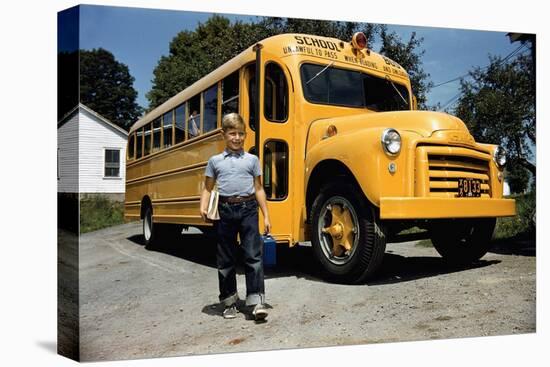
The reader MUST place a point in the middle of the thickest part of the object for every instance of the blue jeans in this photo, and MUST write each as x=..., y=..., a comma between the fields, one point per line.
x=239, y=218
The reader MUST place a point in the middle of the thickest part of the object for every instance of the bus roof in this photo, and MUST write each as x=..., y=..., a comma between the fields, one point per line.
x=283, y=45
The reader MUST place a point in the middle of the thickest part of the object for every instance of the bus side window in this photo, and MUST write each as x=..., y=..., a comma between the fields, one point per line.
x=139, y=143
x=269, y=97
x=167, y=129
x=251, y=80
x=275, y=94
x=180, y=123
x=130, y=149
x=276, y=170
x=230, y=94
x=156, y=135
x=194, y=122
x=210, y=114
x=147, y=140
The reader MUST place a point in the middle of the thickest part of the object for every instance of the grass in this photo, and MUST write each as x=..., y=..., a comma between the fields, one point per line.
x=100, y=212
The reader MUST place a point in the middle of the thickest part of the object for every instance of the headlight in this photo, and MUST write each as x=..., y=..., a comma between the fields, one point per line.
x=391, y=141
x=500, y=156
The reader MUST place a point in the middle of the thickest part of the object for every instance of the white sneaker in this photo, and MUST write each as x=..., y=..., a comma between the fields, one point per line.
x=230, y=312
x=259, y=312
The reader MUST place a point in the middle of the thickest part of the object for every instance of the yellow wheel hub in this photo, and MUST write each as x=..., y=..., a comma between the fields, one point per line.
x=341, y=229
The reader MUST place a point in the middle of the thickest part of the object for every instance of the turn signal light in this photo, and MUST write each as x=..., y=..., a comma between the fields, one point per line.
x=331, y=131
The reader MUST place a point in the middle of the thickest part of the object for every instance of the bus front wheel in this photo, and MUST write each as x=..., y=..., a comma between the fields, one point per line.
x=347, y=237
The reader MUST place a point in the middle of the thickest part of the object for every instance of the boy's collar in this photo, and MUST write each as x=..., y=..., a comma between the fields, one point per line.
x=227, y=152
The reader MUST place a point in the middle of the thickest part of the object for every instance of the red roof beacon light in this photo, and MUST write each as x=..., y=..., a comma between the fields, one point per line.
x=359, y=41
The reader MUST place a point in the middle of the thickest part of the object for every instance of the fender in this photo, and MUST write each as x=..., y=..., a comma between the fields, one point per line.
x=357, y=145
x=362, y=153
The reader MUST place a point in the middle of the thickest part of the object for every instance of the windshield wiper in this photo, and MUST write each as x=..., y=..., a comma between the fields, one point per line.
x=319, y=73
x=397, y=90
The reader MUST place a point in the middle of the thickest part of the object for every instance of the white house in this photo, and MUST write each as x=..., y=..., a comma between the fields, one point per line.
x=91, y=153
x=506, y=189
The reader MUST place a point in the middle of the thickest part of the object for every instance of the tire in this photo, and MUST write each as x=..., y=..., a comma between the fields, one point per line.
x=149, y=228
x=340, y=215
x=462, y=241
x=154, y=232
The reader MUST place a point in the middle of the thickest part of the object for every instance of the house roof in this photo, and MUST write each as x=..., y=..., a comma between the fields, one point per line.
x=69, y=114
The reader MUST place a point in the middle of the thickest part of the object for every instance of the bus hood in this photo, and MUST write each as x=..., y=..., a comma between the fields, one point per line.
x=425, y=124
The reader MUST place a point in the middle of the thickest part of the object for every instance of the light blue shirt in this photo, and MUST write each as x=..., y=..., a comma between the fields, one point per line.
x=234, y=172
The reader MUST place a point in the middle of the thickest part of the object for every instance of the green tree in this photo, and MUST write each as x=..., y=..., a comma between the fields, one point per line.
x=194, y=54
x=408, y=55
x=498, y=105
x=106, y=86
x=517, y=177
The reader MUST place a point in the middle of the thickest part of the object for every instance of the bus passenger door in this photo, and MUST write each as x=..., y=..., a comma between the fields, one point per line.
x=275, y=140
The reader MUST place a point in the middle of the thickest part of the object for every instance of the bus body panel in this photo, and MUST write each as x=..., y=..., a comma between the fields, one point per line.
x=172, y=180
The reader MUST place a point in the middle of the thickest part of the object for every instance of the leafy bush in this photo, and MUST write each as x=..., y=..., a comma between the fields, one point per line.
x=99, y=212
x=523, y=225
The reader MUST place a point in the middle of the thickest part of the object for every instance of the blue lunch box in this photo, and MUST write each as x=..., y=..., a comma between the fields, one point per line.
x=270, y=250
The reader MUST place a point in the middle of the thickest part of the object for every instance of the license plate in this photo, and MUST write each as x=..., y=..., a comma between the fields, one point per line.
x=469, y=187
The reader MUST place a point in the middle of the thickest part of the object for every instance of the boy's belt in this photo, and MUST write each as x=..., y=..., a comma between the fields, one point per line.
x=237, y=199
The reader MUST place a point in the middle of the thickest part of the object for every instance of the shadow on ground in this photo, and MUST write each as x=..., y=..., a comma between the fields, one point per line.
x=197, y=247
x=216, y=309
x=397, y=268
x=521, y=246
x=299, y=261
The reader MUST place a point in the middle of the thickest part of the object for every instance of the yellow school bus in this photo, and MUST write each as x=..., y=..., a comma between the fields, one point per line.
x=347, y=159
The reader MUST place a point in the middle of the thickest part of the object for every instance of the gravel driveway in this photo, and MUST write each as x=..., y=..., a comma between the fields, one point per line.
x=139, y=303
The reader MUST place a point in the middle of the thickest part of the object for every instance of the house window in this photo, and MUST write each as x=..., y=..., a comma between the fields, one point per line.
x=112, y=162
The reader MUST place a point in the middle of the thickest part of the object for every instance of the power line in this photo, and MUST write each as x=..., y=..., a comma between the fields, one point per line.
x=485, y=67
x=456, y=96
x=453, y=100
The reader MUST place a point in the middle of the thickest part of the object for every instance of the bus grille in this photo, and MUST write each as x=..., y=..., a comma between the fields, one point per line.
x=444, y=171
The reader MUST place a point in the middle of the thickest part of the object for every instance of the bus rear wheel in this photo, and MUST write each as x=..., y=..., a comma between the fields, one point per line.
x=346, y=235
x=149, y=228
x=153, y=233
x=462, y=241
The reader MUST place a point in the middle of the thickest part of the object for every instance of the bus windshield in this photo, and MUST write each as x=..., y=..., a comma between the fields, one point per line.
x=324, y=84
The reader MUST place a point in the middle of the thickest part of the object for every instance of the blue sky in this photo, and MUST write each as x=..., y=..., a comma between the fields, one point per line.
x=139, y=37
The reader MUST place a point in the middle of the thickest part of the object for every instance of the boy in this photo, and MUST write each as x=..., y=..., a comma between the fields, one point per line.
x=238, y=175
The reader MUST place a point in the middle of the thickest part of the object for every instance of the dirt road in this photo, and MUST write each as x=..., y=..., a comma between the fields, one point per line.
x=136, y=303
